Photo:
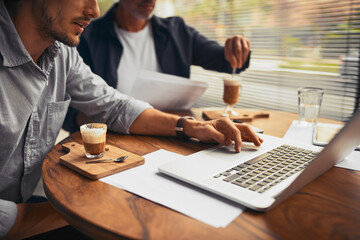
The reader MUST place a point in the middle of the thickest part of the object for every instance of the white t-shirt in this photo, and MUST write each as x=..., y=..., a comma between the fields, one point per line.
x=138, y=53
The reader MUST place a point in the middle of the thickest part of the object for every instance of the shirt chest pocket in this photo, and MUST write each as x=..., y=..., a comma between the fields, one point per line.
x=55, y=118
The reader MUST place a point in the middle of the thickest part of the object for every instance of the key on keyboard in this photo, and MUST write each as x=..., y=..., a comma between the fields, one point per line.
x=265, y=171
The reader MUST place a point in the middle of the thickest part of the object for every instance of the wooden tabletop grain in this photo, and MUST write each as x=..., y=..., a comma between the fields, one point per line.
x=327, y=208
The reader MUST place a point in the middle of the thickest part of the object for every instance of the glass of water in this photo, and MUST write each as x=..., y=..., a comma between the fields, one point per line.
x=309, y=103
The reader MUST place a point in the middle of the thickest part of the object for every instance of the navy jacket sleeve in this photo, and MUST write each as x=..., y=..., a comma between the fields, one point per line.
x=84, y=52
x=177, y=47
x=208, y=53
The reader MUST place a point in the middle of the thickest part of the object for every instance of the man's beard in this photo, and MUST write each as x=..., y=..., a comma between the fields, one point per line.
x=48, y=33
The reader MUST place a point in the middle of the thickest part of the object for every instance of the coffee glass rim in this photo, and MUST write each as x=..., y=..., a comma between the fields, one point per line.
x=100, y=125
x=232, y=79
x=310, y=89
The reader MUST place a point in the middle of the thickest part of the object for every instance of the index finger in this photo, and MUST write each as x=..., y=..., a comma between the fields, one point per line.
x=229, y=56
x=248, y=134
x=237, y=48
x=245, y=49
x=231, y=131
x=238, y=142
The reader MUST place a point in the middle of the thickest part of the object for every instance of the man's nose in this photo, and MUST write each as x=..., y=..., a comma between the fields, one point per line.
x=91, y=9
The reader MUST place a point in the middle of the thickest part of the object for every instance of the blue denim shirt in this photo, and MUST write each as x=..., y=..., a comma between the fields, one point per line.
x=34, y=99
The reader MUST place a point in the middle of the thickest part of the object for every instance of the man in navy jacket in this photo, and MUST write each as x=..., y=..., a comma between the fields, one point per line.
x=176, y=47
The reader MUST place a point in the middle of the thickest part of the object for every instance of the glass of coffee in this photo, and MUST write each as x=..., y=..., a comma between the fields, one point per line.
x=232, y=88
x=94, y=139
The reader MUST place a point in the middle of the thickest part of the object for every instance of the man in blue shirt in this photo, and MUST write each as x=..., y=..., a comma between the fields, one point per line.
x=130, y=38
x=39, y=76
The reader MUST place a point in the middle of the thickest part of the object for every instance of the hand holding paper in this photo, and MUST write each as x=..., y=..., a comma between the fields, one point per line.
x=167, y=92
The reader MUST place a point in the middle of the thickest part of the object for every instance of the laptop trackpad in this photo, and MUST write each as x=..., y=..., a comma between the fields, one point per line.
x=227, y=153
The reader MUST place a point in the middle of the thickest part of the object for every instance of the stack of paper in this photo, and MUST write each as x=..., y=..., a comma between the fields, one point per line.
x=167, y=92
x=147, y=182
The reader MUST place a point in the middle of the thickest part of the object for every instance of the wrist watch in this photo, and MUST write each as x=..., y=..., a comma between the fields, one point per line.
x=179, y=129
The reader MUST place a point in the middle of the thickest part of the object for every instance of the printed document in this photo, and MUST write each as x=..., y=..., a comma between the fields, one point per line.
x=147, y=182
x=167, y=92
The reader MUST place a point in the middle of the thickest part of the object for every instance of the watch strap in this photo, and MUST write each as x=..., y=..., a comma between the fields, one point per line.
x=179, y=129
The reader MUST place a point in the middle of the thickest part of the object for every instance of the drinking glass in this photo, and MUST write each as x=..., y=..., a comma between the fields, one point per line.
x=94, y=139
x=309, y=103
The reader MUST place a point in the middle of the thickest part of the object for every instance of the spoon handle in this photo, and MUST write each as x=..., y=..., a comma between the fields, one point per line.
x=120, y=159
x=101, y=161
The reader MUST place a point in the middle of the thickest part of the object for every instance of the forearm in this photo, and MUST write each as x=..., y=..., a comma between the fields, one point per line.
x=154, y=122
x=223, y=131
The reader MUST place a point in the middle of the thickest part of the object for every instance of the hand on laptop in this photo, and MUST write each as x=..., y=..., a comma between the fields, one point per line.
x=223, y=131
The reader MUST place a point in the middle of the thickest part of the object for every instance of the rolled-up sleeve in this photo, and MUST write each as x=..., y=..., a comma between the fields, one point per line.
x=8, y=212
x=91, y=94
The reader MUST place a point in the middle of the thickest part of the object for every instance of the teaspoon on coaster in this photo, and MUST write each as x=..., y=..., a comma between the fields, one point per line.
x=117, y=160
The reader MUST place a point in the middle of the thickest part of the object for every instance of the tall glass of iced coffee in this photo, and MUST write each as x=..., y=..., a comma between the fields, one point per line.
x=94, y=139
x=232, y=88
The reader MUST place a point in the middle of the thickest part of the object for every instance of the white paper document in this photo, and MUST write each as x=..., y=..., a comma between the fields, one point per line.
x=304, y=134
x=167, y=92
x=147, y=182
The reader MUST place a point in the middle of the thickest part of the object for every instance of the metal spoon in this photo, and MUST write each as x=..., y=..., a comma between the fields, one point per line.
x=117, y=160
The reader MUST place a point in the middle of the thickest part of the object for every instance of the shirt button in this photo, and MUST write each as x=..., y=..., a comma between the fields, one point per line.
x=29, y=152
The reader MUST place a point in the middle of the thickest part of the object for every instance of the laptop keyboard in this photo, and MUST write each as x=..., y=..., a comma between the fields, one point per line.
x=265, y=171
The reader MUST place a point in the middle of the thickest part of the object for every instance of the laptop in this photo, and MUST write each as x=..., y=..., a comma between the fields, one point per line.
x=262, y=177
x=324, y=132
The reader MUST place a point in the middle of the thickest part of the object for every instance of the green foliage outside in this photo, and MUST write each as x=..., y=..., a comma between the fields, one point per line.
x=222, y=18
x=309, y=51
x=311, y=66
x=104, y=5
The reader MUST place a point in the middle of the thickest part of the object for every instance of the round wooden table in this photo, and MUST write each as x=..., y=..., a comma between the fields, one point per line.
x=327, y=208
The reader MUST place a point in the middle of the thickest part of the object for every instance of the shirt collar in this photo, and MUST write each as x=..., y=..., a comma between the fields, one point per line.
x=12, y=50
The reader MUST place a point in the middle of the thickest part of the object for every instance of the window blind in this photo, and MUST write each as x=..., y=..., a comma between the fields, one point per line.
x=295, y=43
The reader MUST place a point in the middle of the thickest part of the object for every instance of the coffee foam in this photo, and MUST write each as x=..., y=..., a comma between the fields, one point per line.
x=231, y=82
x=93, y=135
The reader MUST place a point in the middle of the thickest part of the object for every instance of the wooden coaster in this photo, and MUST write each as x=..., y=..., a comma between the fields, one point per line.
x=76, y=159
x=245, y=115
